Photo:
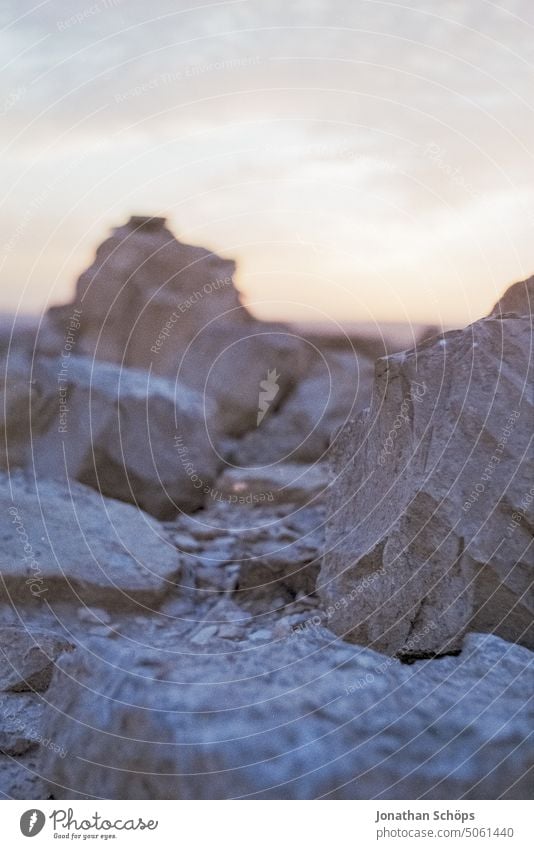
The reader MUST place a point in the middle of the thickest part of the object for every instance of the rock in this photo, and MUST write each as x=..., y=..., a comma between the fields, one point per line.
x=260, y=635
x=19, y=396
x=303, y=718
x=247, y=368
x=430, y=516
x=114, y=429
x=20, y=724
x=267, y=575
x=336, y=386
x=17, y=333
x=94, y=616
x=280, y=561
x=74, y=545
x=202, y=637
x=27, y=658
x=185, y=542
x=144, y=290
x=278, y=484
x=518, y=299
x=151, y=302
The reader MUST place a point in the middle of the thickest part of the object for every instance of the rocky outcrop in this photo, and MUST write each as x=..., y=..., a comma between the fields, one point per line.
x=151, y=302
x=304, y=718
x=335, y=388
x=431, y=513
x=71, y=544
x=113, y=429
x=518, y=299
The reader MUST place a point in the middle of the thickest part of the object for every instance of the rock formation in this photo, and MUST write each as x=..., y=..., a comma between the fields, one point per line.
x=149, y=301
x=431, y=512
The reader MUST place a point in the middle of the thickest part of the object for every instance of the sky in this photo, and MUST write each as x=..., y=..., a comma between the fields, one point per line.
x=361, y=160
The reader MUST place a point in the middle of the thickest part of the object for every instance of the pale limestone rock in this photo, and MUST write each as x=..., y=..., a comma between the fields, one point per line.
x=72, y=544
x=302, y=718
x=518, y=299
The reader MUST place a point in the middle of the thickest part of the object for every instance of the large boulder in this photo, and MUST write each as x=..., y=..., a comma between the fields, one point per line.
x=149, y=301
x=141, y=279
x=113, y=429
x=302, y=718
x=431, y=512
x=71, y=544
x=335, y=388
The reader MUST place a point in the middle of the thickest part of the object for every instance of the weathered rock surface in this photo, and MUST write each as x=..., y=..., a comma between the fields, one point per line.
x=431, y=515
x=75, y=545
x=113, y=429
x=27, y=658
x=336, y=387
x=152, y=302
x=303, y=718
x=280, y=483
x=266, y=557
x=140, y=277
x=518, y=299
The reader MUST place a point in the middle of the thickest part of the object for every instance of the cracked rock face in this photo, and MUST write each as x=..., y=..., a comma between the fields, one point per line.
x=431, y=512
x=142, y=274
x=302, y=719
x=74, y=545
x=151, y=302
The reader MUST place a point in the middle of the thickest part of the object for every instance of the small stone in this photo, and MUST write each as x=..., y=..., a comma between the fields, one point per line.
x=262, y=634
